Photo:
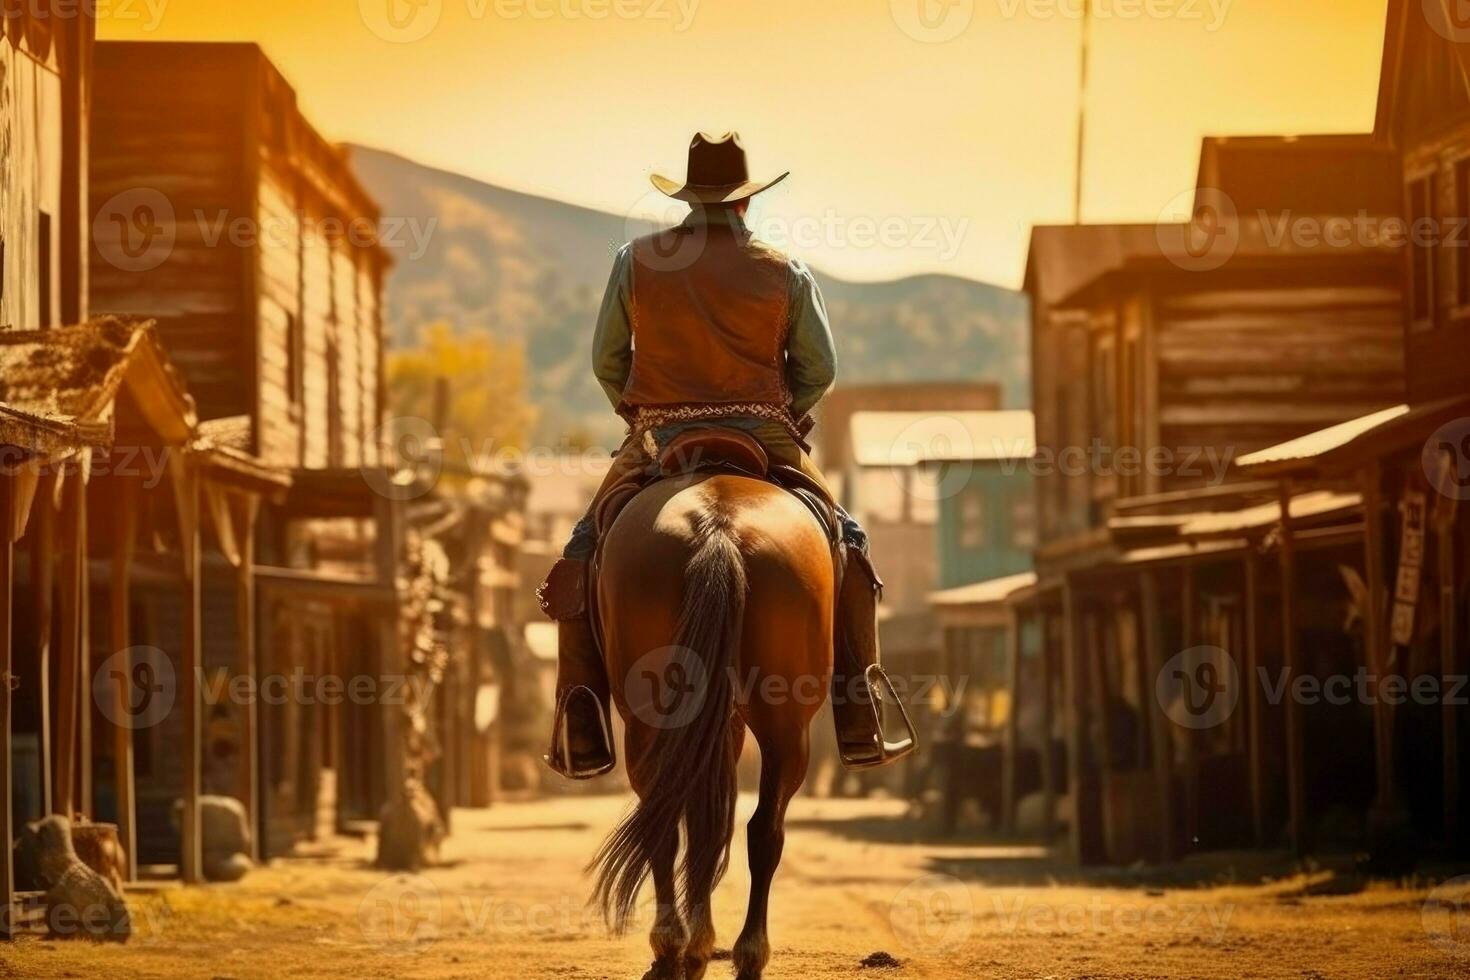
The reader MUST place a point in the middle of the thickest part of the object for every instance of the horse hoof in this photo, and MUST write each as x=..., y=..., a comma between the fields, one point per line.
x=664, y=971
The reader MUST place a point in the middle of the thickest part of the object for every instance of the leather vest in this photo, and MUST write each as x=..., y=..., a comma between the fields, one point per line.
x=710, y=318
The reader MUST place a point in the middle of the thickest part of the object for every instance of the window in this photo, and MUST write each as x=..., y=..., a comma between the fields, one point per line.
x=972, y=521
x=1422, y=253
x=1023, y=521
x=44, y=258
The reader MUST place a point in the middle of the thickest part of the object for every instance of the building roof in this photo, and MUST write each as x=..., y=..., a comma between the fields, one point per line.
x=1063, y=258
x=74, y=374
x=1315, y=444
x=1315, y=504
x=1307, y=175
x=911, y=438
x=995, y=590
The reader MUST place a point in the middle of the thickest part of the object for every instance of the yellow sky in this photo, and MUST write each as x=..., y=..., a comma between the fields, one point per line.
x=922, y=135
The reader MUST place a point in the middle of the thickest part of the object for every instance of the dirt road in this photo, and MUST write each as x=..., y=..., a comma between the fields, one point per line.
x=508, y=902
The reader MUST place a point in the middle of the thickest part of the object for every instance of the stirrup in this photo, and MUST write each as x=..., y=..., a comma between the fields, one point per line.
x=560, y=760
x=877, y=750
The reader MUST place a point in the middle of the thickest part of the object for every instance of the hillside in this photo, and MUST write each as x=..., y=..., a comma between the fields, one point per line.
x=534, y=269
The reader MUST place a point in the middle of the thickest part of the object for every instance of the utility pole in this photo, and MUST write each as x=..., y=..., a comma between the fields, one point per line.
x=1082, y=110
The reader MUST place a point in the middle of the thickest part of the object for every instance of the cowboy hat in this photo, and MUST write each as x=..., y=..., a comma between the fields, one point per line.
x=717, y=173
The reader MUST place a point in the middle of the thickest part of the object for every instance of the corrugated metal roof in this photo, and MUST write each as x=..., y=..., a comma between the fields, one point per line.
x=1317, y=443
x=983, y=593
x=1304, y=505
x=911, y=438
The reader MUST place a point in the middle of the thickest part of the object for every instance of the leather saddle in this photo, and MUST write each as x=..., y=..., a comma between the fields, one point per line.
x=717, y=448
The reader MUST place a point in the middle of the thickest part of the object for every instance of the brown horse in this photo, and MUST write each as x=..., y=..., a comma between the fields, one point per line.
x=716, y=594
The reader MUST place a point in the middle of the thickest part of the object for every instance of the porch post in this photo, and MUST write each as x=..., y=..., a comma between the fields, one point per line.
x=1014, y=622
x=124, y=535
x=1291, y=661
x=186, y=499
x=249, y=787
x=1161, y=733
x=7, y=812
x=1254, y=720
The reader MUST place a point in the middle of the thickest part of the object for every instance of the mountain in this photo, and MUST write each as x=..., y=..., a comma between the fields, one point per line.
x=534, y=269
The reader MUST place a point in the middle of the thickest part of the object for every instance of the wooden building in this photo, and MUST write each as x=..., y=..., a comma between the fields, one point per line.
x=1410, y=465
x=243, y=233
x=1162, y=354
x=45, y=90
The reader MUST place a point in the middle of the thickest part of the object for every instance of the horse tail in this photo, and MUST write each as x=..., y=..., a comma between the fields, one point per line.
x=688, y=776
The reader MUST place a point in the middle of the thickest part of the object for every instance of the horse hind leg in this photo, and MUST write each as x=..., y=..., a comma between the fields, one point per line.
x=668, y=936
x=699, y=891
x=783, y=770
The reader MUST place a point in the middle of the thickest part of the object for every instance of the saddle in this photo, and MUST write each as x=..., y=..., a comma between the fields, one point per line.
x=712, y=449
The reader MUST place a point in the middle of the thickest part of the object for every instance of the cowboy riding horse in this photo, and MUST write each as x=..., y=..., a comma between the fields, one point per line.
x=712, y=561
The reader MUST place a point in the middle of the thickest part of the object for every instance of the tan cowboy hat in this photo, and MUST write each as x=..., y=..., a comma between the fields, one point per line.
x=717, y=173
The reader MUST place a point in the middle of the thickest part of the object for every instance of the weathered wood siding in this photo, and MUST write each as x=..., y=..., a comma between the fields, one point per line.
x=33, y=81
x=1271, y=358
x=270, y=298
x=173, y=126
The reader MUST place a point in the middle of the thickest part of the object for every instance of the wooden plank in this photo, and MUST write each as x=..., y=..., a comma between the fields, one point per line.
x=1255, y=715
x=185, y=480
x=247, y=510
x=1189, y=618
x=1072, y=709
x=1013, y=726
x=1375, y=629
x=1095, y=665
x=1449, y=667
x=70, y=646
x=124, y=538
x=7, y=811
x=1048, y=771
x=43, y=588
x=1291, y=663
x=1161, y=731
